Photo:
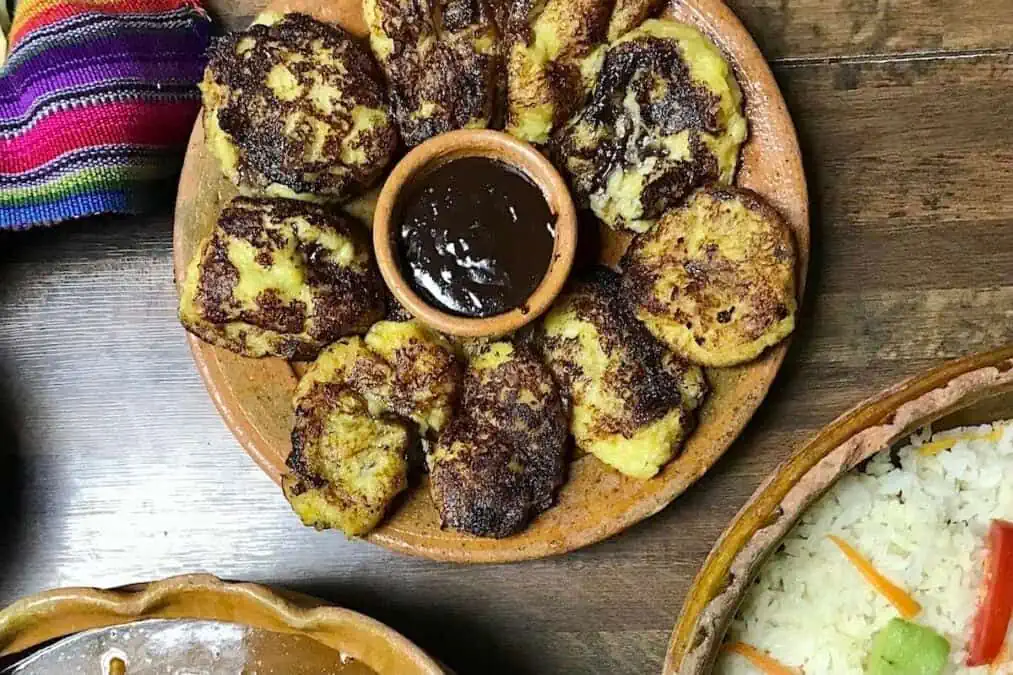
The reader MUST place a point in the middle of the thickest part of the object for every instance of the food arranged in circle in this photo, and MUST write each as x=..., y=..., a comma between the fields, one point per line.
x=644, y=119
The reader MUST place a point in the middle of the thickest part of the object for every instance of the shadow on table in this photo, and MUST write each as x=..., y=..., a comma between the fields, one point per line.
x=451, y=638
x=13, y=481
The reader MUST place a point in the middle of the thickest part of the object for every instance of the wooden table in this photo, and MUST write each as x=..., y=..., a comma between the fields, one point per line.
x=115, y=467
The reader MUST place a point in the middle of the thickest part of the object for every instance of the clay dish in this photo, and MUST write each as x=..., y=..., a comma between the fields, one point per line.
x=497, y=145
x=974, y=390
x=254, y=396
x=292, y=628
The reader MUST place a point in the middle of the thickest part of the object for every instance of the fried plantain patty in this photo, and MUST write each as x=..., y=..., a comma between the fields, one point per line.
x=347, y=463
x=553, y=53
x=503, y=456
x=665, y=116
x=440, y=58
x=633, y=401
x=553, y=50
x=425, y=370
x=715, y=280
x=277, y=277
x=359, y=408
x=294, y=107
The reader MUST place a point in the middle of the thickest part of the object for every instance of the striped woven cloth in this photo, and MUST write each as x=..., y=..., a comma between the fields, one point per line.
x=97, y=98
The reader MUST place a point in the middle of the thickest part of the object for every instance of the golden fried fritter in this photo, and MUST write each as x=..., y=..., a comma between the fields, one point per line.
x=277, y=277
x=294, y=107
x=553, y=50
x=633, y=401
x=715, y=280
x=553, y=55
x=425, y=372
x=503, y=456
x=665, y=116
x=440, y=58
x=359, y=408
x=348, y=463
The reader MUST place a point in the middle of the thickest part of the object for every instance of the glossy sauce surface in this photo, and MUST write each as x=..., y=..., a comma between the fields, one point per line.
x=475, y=237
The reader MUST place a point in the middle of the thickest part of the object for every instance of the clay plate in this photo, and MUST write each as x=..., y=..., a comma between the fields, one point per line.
x=974, y=390
x=254, y=396
x=287, y=630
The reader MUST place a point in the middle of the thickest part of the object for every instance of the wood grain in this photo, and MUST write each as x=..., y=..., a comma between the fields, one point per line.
x=818, y=29
x=788, y=30
x=114, y=466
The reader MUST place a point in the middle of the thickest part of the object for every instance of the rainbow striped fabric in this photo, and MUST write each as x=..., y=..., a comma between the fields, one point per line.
x=97, y=98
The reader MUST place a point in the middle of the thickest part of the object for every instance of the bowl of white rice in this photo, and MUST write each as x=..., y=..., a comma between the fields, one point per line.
x=909, y=482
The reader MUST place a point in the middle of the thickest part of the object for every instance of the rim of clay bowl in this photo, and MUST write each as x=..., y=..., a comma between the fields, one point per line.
x=871, y=426
x=58, y=613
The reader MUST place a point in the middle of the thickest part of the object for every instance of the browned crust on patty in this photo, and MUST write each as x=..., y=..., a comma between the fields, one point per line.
x=752, y=296
x=630, y=68
x=255, y=117
x=434, y=61
x=628, y=14
x=649, y=380
x=416, y=388
x=395, y=310
x=561, y=85
x=311, y=414
x=510, y=450
x=345, y=300
x=357, y=467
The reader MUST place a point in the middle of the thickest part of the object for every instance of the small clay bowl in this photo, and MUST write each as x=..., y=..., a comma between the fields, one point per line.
x=294, y=633
x=445, y=148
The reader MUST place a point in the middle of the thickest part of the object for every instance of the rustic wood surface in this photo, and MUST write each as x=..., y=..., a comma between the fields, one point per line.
x=114, y=466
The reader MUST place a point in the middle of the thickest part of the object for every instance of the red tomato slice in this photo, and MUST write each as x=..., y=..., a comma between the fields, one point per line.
x=996, y=598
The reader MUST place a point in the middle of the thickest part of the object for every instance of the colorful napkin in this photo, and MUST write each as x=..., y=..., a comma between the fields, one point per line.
x=97, y=99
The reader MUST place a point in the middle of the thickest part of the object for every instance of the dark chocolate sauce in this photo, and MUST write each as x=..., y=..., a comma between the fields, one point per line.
x=476, y=237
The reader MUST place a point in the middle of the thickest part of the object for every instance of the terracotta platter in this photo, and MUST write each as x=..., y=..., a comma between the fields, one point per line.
x=969, y=391
x=184, y=623
x=254, y=396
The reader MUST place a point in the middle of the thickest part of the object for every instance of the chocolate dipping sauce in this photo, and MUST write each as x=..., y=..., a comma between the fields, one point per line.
x=476, y=237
